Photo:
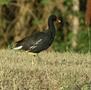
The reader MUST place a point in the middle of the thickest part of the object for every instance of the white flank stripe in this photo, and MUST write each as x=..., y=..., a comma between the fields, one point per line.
x=17, y=48
x=32, y=47
x=38, y=41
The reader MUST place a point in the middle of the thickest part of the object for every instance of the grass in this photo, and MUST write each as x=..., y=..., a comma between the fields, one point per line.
x=50, y=71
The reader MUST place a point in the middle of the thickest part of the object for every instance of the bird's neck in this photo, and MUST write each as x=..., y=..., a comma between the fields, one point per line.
x=52, y=28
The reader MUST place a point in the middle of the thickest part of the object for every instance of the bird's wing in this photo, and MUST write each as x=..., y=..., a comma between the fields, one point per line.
x=32, y=41
x=38, y=40
x=36, y=44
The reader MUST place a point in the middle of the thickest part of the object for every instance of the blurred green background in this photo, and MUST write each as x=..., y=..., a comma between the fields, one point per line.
x=20, y=18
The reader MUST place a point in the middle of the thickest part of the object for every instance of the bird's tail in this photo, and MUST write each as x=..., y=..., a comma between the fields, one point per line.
x=18, y=48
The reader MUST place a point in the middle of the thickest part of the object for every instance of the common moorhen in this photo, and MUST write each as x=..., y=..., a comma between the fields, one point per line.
x=39, y=41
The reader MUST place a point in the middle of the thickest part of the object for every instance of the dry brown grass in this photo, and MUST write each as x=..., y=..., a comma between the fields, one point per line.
x=50, y=71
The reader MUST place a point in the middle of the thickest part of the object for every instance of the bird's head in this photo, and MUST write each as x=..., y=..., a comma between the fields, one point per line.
x=55, y=18
x=60, y=20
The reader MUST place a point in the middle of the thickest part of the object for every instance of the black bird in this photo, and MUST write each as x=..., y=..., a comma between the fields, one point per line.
x=39, y=41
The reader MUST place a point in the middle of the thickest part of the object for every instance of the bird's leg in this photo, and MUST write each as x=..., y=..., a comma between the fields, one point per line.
x=34, y=54
x=39, y=58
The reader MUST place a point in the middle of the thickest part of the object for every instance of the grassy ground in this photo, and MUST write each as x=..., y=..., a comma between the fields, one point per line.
x=50, y=71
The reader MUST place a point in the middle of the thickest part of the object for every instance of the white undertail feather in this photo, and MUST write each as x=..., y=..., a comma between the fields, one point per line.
x=17, y=48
